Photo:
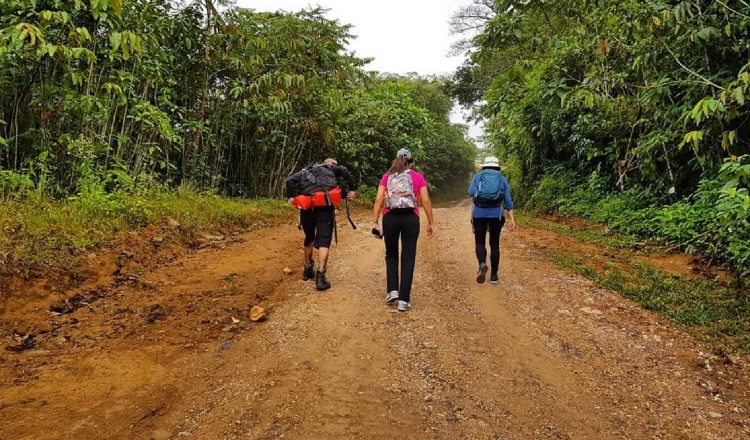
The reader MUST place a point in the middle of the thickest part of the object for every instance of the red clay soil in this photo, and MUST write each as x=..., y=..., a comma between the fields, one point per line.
x=165, y=349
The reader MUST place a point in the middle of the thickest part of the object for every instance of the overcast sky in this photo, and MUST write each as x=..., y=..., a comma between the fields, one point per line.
x=402, y=36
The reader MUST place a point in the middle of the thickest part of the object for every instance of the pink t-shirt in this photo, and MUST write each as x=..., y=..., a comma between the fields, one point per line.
x=418, y=181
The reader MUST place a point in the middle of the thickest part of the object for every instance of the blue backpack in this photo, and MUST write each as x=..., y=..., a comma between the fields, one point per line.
x=489, y=189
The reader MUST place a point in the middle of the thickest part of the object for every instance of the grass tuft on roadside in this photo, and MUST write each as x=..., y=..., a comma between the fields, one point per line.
x=38, y=232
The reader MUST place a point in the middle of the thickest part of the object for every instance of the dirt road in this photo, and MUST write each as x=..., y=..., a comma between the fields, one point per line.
x=170, y=353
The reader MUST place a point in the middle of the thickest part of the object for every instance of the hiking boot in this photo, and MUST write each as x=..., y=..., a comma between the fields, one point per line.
x=321, y=283
x=309, y=272
x=494, y=279
x=403, y=306
x=482, y=273
x=391, y=297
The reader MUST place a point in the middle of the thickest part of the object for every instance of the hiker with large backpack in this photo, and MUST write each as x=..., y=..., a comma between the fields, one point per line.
x=316, y=191
x=400, y=191
x=489, y=190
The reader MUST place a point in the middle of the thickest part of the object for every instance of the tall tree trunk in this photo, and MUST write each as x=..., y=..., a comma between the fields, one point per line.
x=198, y=134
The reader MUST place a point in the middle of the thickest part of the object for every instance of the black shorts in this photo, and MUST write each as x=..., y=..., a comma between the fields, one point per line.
x=318, y=226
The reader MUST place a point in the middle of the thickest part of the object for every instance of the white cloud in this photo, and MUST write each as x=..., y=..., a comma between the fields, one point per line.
x=402, y=36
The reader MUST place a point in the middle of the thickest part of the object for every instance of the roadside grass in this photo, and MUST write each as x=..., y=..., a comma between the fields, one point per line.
x=37, y=232
x=713, y=312
x=590, y=232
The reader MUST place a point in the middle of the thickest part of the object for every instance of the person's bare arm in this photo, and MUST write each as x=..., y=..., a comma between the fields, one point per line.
x=378, y=208
x=508, y=202
x=424, y=197
x=511, y=220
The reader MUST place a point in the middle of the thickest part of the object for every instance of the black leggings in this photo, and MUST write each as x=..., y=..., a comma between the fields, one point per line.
x=494, y=225
x=405, y=227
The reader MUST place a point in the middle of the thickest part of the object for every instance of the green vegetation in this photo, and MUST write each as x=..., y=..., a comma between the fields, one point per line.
x=713, y=222
x=107, y=107
x=632, y=113
x=42, y=233
x=712, y=311
x=230, y=101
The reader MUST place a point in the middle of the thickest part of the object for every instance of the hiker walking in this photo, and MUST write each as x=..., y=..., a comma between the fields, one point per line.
x=490, y=191
x=399, y=193
x=316, y=191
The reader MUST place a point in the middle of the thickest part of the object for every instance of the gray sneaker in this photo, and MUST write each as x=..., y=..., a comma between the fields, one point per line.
x=482, y=274
x=403, y=306
x=391, y=297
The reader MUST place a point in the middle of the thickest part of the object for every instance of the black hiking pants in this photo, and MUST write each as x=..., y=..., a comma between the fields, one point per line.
x=481, y=227
x=406, y=228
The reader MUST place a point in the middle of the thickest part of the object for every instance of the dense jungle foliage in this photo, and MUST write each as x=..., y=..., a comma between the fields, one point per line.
x=112, y=95
x=631, y=112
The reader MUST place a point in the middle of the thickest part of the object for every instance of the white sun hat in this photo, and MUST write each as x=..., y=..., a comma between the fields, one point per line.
x=491, y=162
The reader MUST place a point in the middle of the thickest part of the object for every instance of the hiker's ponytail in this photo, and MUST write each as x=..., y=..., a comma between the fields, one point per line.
x=399, y=165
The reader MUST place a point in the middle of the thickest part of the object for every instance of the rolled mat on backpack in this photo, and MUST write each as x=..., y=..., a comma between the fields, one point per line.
x=318, y=199
x=302, y=202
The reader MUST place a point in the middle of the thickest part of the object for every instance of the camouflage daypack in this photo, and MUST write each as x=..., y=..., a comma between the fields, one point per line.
x=400, y=192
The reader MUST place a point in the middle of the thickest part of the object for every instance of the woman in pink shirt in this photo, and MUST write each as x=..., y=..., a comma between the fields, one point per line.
x=400, y=191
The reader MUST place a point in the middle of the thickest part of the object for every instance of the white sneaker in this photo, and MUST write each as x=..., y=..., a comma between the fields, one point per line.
x=403, y=306
x=391, y=297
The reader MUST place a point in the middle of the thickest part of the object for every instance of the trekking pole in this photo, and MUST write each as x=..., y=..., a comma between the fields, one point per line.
x=335, y=227
x=349, y=216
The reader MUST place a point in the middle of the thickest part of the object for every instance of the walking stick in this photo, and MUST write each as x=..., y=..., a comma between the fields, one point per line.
x=335, y=228
x=349, y=216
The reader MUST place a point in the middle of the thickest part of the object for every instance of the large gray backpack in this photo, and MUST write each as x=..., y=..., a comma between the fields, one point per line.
x=400, y=192
x=318, y=177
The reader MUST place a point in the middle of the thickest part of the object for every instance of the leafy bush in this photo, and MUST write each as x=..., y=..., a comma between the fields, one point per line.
x=553, y=191
x=714, y=223
x=366, y=195
x=13, y=184
x=717, y=222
